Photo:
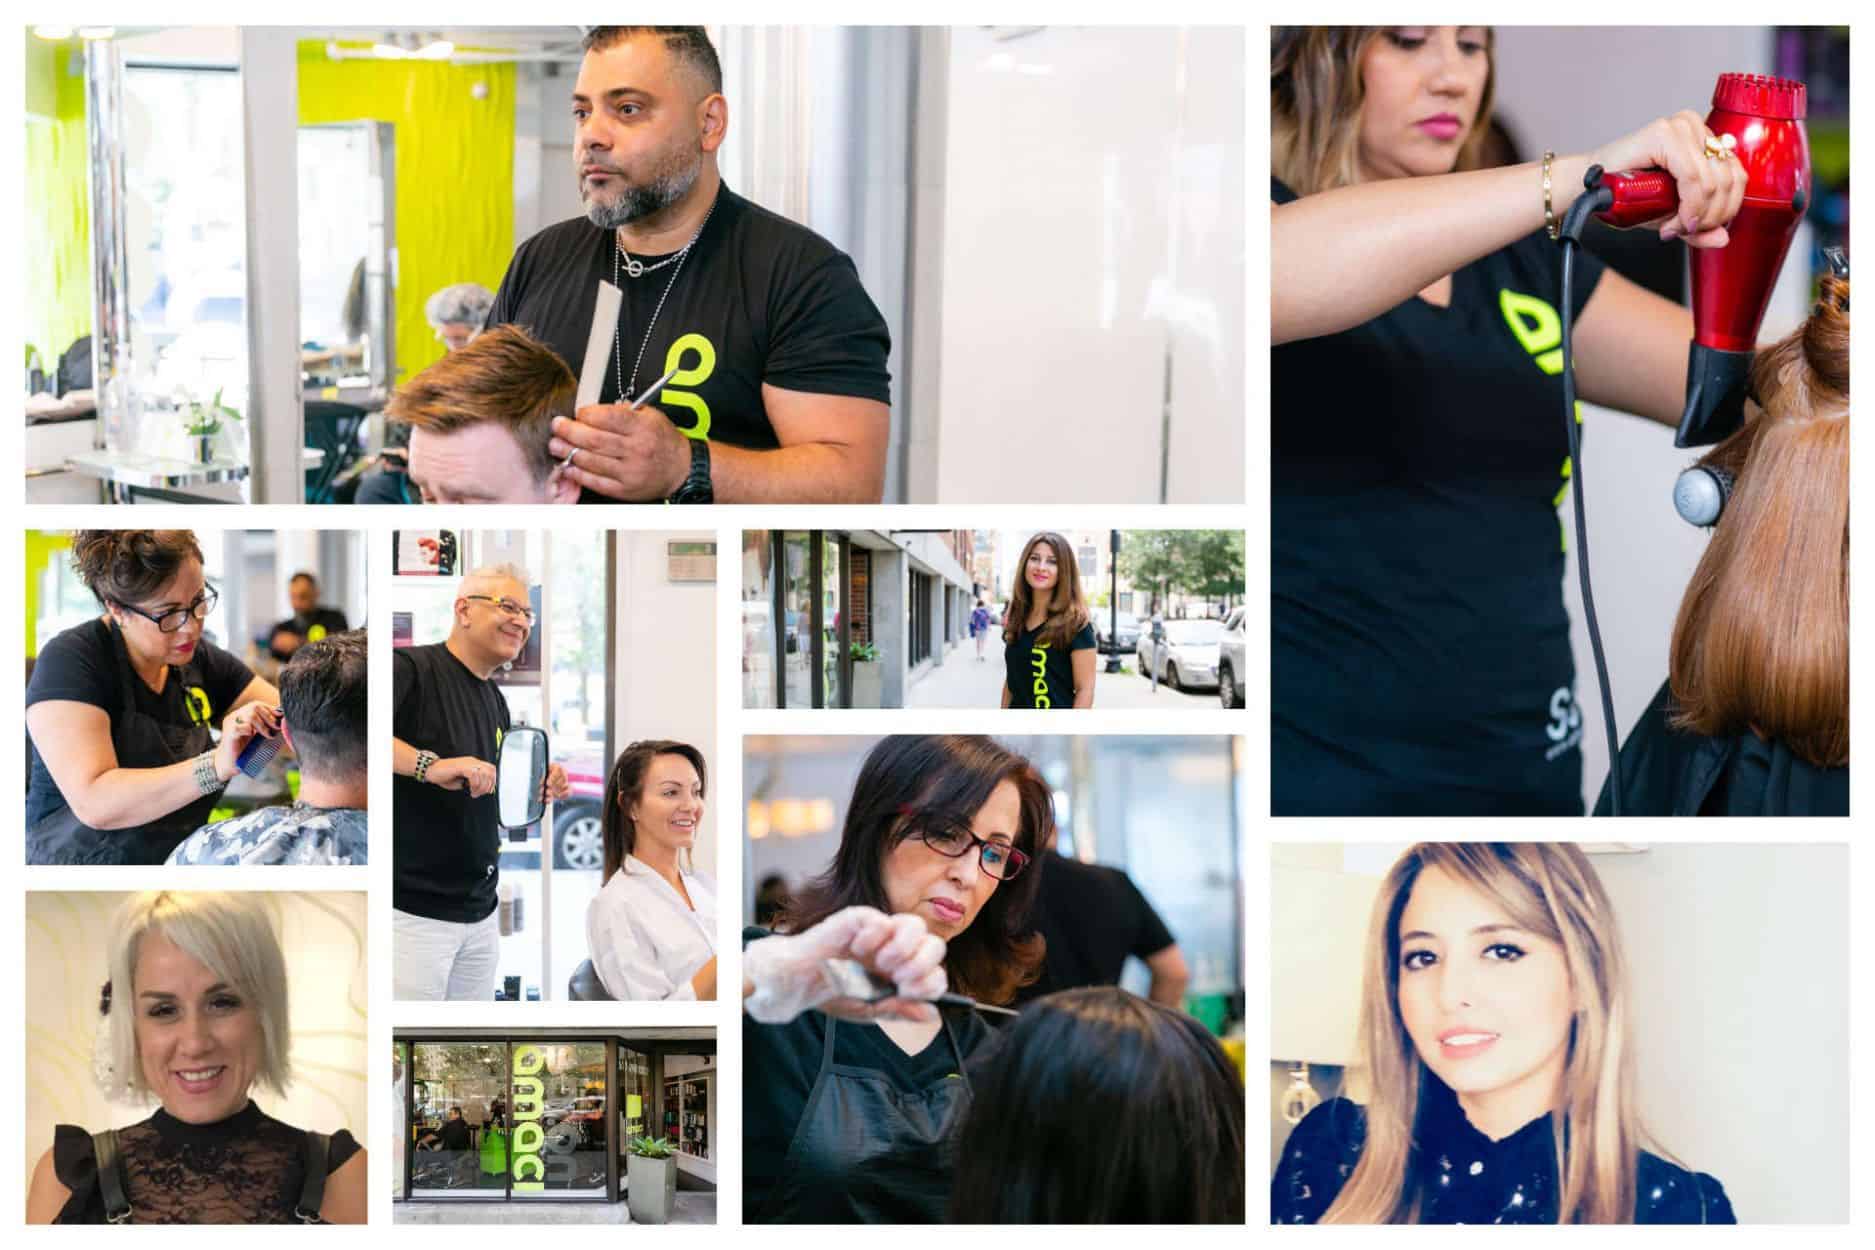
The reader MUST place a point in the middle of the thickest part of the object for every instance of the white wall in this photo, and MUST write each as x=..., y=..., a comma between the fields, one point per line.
x=1738, y=956
x=323, y=937
x=665, y=666
x=1088, y=224
x=1640, y=553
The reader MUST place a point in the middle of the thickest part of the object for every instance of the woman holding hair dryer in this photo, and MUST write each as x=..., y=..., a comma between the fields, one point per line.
x=1420, y=648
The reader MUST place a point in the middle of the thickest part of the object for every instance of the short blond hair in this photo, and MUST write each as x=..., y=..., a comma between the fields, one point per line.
x=229, y=934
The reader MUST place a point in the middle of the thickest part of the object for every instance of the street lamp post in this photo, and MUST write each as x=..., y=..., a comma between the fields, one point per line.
x=1113, y=603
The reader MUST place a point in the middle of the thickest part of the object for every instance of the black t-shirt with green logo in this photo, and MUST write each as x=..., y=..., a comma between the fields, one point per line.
x=760, y=299
x=1419, y=648
x=1040, y=675
x=81, y=665
x=444, y=843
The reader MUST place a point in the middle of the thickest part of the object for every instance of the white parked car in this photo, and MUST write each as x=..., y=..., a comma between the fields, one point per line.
x=1230, y=660
x=1188, y=660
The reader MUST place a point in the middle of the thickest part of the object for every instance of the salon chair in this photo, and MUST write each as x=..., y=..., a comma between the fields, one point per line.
x=585, y=986
x=331, y=427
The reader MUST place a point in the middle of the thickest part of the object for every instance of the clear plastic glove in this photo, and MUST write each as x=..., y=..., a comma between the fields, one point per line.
x=786, y=975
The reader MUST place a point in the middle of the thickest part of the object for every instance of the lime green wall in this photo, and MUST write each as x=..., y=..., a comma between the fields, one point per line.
x=455, y=171
x=57, y=216
x=41, y=547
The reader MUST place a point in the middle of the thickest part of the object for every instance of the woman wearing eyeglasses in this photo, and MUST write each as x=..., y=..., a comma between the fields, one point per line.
x=120, y=710
x=849, y=1108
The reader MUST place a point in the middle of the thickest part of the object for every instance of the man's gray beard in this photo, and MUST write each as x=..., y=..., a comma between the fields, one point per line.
x=636, y=203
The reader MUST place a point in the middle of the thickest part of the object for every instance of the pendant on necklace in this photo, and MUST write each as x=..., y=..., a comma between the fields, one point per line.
x=634, y=266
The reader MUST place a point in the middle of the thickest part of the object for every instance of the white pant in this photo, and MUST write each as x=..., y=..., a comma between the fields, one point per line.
x=437, y=959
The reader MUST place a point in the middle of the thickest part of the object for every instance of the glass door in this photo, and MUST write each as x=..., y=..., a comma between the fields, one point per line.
x=562, y=1140
x=457, y=1121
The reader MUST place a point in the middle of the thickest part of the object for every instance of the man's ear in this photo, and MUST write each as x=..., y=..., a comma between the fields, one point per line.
x=286, y=734
x=561, y=488
x=712, y=122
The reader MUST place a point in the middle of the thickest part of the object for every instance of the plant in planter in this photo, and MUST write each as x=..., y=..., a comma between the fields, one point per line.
x=868, y=675
x=203, y=423
x=650, y=1180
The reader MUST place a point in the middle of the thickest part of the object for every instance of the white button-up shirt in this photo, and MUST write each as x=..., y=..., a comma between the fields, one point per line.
x=645, y=942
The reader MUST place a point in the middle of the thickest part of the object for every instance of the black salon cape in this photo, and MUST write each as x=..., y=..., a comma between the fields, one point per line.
x=1665, y=772
x=781, y=1065
x=760, y=299
x=1466, y=1178
x=1419, y=648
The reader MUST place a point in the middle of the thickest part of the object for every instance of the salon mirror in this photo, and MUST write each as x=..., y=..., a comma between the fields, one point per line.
x=520, y=777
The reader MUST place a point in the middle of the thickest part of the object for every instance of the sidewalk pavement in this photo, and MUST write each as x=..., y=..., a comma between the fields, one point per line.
x=963, y=681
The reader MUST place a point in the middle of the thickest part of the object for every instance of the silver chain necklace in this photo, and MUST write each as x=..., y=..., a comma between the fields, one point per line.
x=625, y=392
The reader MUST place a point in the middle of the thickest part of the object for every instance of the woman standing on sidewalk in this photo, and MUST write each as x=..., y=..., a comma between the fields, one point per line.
x=1048, y=636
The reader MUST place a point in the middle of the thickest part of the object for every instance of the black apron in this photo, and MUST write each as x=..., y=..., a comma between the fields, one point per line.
x=867, y=1152
x=140, y=741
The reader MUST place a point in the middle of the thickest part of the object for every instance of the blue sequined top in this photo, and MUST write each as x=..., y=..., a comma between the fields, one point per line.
x=1466, y=1178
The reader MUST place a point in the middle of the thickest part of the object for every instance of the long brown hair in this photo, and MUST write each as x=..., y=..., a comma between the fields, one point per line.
x=1316, y=96
x=1067, y=606
x=1546, y=888
x=1762, y=638
x=910, y=782
x=625, y=784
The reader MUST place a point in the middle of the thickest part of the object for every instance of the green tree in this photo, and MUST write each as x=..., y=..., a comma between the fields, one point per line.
x=1150, y=560
x=1213, y=564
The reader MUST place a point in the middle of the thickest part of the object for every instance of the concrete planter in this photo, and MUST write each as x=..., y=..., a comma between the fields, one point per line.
x=650, y=1189
x=868, y=683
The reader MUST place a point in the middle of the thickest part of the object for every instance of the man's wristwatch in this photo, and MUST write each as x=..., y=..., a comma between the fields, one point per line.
x=424, y=760
x=697, y=487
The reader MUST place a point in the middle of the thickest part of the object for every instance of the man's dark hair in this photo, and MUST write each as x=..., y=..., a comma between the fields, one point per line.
x=300, y=576
x=322, y=696
x=688, y=44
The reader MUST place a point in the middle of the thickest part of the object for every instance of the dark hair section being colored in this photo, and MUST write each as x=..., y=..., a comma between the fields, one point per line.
x=689, y=45
x=625, y=784
x=322, y=696
x=128, y=566
x=913, y=782
x=1100, y=1107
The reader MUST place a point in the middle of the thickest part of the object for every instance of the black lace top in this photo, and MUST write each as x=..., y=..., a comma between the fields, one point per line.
x=1466, y=1178
x=247, y=1169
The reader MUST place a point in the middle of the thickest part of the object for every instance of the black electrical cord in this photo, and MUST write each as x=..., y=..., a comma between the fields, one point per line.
x=1570, y=236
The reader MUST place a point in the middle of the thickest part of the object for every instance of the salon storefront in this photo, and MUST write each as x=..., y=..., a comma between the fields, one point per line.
x=848, y=618
x=546, y=1115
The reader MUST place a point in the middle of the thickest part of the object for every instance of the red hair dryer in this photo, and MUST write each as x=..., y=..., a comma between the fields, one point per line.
x=1732, y=284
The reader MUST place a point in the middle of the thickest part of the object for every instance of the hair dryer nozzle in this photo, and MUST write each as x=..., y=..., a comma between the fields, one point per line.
x=1716, y=382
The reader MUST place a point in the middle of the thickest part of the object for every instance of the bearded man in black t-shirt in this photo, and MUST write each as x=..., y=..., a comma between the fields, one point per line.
x=775, y=357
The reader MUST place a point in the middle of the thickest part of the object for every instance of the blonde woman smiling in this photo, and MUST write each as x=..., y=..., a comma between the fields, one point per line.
x=1494, y=1041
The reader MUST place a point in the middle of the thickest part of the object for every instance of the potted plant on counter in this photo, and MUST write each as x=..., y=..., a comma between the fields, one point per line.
x=204, y=423
x=868, y=675
x=650, y=1180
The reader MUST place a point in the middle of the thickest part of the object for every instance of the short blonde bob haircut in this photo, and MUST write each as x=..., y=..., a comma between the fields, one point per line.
x=229, y=934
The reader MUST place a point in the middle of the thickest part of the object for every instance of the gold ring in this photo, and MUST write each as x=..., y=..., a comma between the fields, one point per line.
x=1716, y=148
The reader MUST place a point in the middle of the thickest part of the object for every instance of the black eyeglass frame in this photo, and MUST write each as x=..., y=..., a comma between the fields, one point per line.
x=199, y=608
x=1018, y=858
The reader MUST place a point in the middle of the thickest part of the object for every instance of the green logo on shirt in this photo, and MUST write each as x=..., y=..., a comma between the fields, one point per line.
x=196, y=699
x=695, y=375
x=1539, y=330
x=1039, y=657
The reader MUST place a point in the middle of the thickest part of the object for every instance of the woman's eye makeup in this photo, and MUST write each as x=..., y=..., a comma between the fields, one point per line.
x=1414, y=960
x=1505, y=951
x=1407, y=38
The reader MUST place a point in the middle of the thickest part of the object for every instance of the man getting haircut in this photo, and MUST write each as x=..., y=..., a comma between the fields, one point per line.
x=480, y=419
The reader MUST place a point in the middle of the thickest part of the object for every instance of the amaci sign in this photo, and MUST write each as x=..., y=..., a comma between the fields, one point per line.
x=538, y=1155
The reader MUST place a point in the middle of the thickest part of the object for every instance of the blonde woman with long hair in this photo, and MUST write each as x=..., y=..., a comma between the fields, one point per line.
x=1420, y=655
x=1048, y=636
x=1496, y=1055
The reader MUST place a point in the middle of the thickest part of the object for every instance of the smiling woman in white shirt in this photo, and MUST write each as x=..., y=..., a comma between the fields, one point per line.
x=652, y=926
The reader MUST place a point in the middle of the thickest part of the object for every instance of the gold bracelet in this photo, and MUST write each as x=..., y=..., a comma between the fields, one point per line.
x=1549, y=212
